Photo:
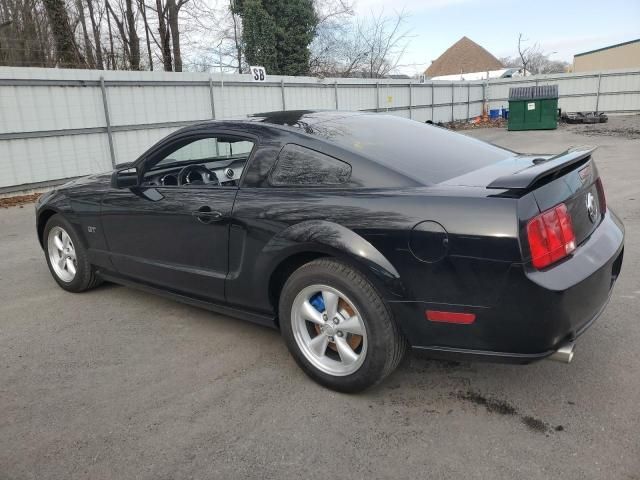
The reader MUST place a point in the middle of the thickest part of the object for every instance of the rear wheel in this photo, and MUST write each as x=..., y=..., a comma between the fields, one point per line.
x=66, y=256
x=337, y=326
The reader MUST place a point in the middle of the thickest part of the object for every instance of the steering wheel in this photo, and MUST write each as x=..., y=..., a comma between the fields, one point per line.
x=197, y=175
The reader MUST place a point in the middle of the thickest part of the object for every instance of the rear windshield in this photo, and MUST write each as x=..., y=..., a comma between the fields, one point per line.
x=426, y=153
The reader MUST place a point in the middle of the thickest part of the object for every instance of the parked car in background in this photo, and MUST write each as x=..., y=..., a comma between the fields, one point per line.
x=356, y=234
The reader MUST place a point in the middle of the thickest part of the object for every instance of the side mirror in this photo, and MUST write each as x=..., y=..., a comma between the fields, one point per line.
x=126, y=178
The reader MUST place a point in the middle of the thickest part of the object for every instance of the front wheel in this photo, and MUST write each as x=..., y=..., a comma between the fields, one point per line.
x=66, y=256
x=337, y=326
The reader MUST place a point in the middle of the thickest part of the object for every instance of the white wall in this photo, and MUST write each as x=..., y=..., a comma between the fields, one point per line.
x=53, y=123
x=619, y=91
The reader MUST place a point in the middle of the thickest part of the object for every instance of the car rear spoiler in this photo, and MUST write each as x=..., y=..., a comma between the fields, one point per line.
x=526, y=178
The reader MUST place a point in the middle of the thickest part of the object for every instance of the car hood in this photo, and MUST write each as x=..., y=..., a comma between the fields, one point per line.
x=98, y=178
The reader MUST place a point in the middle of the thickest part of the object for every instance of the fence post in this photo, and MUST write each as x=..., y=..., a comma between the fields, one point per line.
x=284, y=104
x=433, y=99
x=213, y=105
x=485, y=103
x=598, y=92
x=377, y=97
x=107, y=119
x=410, y=101
x=468, y=98
x=453, y=90
x=335, y=91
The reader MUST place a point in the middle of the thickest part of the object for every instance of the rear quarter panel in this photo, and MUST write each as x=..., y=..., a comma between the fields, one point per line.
x=482, y=237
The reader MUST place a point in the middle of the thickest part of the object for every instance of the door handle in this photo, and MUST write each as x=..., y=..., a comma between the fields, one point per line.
x=206, y=215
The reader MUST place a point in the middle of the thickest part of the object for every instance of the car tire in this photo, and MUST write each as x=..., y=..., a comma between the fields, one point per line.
x=67, y=257
x=374, y=354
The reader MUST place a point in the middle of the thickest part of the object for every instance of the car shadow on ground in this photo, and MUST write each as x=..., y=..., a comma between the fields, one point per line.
x=420, y=384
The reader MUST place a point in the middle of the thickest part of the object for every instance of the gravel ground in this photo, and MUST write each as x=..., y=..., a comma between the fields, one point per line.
x=115, y=383
x=621, y=126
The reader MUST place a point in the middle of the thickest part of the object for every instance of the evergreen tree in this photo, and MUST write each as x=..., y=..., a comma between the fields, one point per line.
x=258, y=35
x=277, y=33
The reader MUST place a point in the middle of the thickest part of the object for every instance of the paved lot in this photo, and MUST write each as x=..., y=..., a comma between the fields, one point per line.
x=115, y=383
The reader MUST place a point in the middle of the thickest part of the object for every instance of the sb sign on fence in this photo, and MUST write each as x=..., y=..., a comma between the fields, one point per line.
x=258, y=74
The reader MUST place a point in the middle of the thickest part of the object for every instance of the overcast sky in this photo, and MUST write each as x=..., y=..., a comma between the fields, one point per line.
x=563, y=26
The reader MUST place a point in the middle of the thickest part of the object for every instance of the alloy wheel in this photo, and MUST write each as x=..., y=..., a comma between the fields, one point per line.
x=62, y=254
x=329, y=330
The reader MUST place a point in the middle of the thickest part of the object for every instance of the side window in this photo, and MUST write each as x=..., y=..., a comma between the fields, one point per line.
x=302, y=166
x=205, y=149
x=205, y=161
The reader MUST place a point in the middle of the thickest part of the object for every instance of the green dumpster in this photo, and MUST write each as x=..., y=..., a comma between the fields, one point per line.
x=533, y=108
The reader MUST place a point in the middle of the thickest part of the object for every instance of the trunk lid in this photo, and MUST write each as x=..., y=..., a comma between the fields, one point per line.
x=580, y=189
x=570, y=177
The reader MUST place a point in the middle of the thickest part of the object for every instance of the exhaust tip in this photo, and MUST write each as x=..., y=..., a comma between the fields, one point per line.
x=564, y=354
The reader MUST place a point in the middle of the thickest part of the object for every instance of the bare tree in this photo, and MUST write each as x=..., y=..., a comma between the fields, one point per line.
x=95, y=19
x=368, y=47
x=237, y=34
x=216, y=36
x=173, y=9
x=525, y=53
x=67, y=53
x=123, y=35
x=111, y=48
x=533, y=60
x=88, y=48
x=25, y=37
x=147, y=31
x=333, y=32
x=164, y=42
x=179, y=34
x=127, y=28
x=134, y=40
x=386, y=41
x=540, y=63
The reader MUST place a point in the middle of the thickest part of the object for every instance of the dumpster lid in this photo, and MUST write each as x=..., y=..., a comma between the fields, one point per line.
x=533, y=93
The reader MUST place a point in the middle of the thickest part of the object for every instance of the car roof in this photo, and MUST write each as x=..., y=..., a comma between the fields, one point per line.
x=301, y=118
x=420, y=153
x=293, y=120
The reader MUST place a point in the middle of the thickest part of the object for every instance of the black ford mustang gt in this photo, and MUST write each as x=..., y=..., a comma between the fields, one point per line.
x=356, y=234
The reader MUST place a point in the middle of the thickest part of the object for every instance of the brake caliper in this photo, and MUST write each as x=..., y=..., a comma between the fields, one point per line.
x=318, y=302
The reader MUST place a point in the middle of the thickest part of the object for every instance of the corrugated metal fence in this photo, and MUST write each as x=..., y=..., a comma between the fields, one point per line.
x=609, y=92
x=58, y=124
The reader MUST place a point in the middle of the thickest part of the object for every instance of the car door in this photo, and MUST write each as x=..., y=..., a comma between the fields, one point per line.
x=170, y=235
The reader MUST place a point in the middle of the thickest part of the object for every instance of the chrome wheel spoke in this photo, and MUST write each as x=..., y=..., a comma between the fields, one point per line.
x=330, y=303
x=58, y=243
x=61, y=262
x=71, y=268
x=319, y=345
x=310, y=313
x=352, y=325
x=347, y=355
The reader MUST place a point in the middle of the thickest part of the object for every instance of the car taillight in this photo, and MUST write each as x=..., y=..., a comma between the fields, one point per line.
x=601, y=196
x=551, y=236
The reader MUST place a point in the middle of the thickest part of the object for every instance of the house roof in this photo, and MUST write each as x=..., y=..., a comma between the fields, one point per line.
x=464, y=56
x=607, y=48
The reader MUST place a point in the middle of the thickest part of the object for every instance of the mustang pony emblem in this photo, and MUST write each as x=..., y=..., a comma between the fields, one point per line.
x=592, y=207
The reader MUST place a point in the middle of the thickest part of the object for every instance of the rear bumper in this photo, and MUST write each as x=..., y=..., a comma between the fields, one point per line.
x=535, y=313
